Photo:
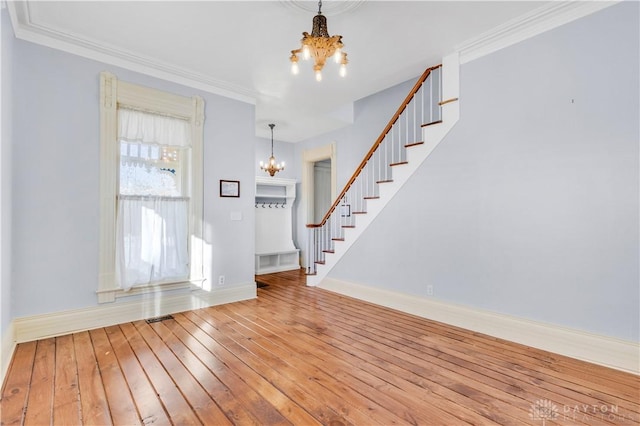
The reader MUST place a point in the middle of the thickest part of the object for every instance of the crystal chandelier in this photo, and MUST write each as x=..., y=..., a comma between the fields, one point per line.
x=272, y=167
x=321, y=46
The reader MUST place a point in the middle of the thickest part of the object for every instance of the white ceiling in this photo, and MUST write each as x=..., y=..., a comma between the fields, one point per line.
x=241, y=48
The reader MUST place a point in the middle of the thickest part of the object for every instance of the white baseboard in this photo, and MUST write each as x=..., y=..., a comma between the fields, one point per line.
x=6, y=350
x=597, y=349
x=149, y=306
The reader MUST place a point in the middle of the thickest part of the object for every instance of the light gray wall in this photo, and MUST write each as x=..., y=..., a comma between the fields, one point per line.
x=530, y=206
x=55, y=177
x=5, y=176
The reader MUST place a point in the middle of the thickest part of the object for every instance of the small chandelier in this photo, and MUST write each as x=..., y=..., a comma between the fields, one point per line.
x=272, y=167
x=321, y=46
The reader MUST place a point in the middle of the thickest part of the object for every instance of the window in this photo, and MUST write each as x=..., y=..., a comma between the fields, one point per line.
x=153, y=170
x=151, y=190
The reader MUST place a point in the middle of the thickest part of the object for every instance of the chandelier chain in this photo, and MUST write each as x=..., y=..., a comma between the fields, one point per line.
x=272, y=126
x=271, y=166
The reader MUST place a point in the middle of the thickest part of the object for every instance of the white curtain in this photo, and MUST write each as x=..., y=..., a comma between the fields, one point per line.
x=152, y=229
x=137, y=179
x=152, y=240
x=140, y=126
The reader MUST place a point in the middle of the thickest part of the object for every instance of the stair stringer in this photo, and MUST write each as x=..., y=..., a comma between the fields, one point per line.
x=416, y=155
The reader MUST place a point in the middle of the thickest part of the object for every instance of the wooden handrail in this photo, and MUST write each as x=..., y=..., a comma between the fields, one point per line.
x=377, y=143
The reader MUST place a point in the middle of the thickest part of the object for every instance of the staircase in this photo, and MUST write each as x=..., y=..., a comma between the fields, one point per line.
x=427, y=114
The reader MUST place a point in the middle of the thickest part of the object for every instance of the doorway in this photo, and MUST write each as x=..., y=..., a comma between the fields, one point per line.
x=321, y=189
x=318, y=181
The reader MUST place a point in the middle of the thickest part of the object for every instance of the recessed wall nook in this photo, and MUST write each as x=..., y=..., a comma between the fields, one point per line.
x=275, y=251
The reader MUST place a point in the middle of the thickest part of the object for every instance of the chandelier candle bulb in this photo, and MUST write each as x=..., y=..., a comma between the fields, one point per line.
x=294, y=64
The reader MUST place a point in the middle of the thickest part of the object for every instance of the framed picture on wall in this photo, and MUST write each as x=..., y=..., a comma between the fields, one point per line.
x=229, y=188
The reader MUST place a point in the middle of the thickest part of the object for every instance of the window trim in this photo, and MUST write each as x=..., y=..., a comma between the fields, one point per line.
x=114, y=93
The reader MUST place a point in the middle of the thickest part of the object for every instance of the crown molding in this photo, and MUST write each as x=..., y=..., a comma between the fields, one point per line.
x=538, y=21
x=547, y=17
x=25, y=29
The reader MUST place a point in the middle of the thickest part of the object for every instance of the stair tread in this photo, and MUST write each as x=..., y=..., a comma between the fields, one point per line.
x=358, y=212
x=328, y=251
x=399, y=163
x=337, y=239
x=320, y=262
x=409, y=145
x=431, y=124
x=348, y=226
x=385, y=181
x=372, y=197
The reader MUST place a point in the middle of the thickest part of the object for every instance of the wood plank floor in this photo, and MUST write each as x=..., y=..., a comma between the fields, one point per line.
x=305, y=356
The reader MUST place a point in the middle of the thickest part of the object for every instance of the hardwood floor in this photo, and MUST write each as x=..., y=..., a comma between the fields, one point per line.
x=304, y=356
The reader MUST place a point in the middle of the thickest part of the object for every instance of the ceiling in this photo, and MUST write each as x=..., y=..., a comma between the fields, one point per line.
x=241, y=49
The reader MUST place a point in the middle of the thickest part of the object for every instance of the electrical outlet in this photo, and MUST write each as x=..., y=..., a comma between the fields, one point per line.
x=429, y=290
x=221, y=280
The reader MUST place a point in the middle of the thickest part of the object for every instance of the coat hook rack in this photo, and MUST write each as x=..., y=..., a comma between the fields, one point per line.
x=271, y=205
